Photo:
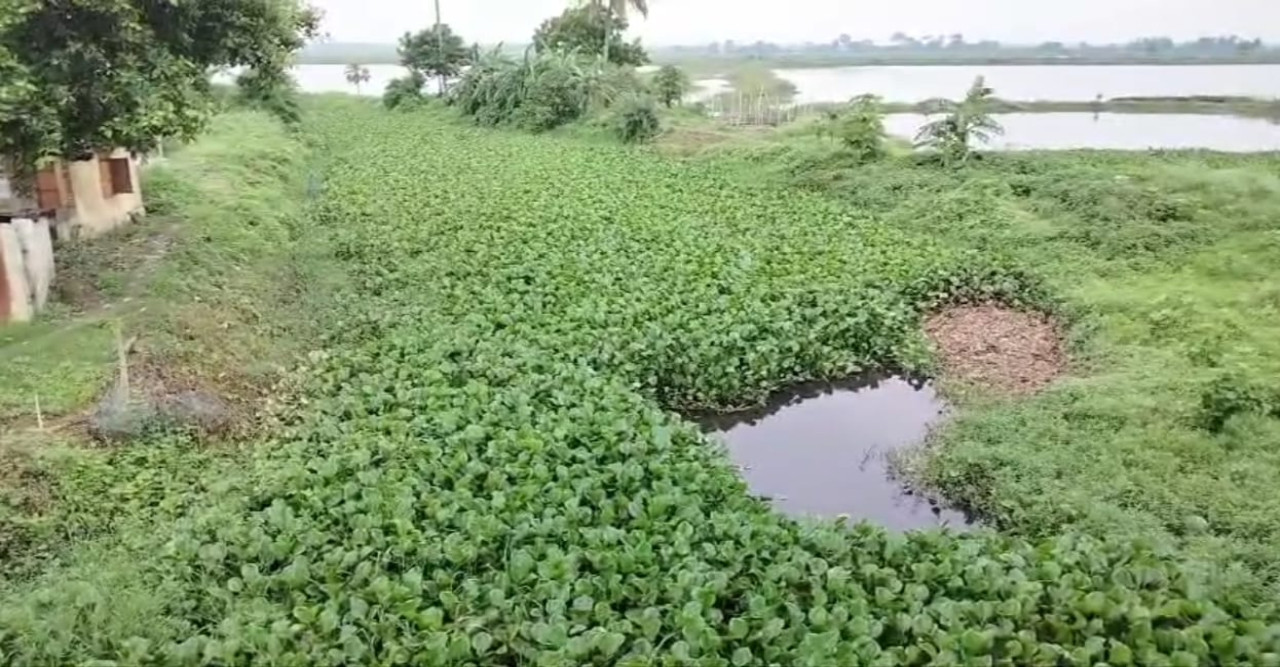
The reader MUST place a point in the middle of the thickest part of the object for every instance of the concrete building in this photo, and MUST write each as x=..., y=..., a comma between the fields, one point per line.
x=63, y=200
x=80, y=198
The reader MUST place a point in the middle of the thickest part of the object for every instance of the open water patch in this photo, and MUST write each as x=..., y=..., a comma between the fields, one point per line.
x=821, y=449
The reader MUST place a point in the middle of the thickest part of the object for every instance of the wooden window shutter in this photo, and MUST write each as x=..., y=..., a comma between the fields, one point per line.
x=48, y=198
x=121, y=178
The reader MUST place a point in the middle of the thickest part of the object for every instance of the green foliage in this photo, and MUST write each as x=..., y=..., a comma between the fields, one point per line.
x=670, y=84
x=636, y=119
x=271, y=89
x=583, y=30
x=538, y=92
x=488, y=471
x=859, y=129
x=434, y=52
x=405, y=91
x=126, y=72
x=968, y=120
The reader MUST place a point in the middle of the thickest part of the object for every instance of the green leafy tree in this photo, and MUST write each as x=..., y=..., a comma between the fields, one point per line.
x=357, y=74
x=670, y=84
x=434, y=53
x=965, y=121
x=86, y=76
x=860, y=129
x=587, y=29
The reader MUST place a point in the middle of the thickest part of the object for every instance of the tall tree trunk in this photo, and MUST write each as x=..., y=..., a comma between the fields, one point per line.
x=440, y=46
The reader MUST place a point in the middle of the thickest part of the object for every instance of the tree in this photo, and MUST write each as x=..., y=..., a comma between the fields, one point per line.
x=615, y=15
x=82, y=77
x=861, y=129
x=587, y=29
x=965, y=121
x=669, y=84
x=434, y=52
x=356, y=75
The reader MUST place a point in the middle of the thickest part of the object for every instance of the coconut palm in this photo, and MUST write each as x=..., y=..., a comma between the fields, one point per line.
x=617, y=8
x=357, y=74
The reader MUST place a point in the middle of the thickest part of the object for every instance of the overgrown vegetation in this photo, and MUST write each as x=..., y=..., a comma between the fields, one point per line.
x=539, y=91
x=219, y=301
x=487, y=472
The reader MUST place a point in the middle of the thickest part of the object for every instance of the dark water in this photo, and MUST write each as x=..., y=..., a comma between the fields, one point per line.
x=819, y=449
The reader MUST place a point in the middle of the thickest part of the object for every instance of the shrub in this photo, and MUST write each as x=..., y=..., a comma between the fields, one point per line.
x=860, y=129
x=271, y=90
x=404, y=91
x=636, y=119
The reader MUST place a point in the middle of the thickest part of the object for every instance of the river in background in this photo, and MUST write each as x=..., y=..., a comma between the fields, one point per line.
x=1023, y=130
x=1074, y=83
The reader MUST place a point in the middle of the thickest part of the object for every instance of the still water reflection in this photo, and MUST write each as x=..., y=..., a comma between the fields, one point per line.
x=820, y=449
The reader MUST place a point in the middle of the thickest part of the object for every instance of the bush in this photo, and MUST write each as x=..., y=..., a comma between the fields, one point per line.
x=636, y=119
x=271, y=90
x=860, y=130
x=404, y=91
x=540, y=91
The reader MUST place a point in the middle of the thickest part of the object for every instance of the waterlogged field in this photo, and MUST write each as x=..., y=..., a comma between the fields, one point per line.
x=489, y=471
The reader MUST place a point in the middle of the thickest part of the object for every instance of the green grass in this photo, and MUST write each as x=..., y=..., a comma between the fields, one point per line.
x=488, y=469
x=1166, y=263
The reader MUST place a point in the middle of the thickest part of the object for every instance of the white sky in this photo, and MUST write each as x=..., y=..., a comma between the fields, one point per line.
x=702, y=21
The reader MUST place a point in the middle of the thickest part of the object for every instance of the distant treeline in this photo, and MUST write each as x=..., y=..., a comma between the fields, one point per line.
x=902, y=50
x=947, y=49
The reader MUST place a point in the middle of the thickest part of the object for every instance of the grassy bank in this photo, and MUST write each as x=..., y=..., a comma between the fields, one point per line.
x=209, y=296
x=489, y=470
x=1168, y=428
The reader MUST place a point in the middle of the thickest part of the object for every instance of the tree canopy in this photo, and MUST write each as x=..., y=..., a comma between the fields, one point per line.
x=435, y=51
x=85, y=76
x=585, y=29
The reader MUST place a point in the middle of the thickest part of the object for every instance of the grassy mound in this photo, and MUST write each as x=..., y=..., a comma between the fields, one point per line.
x=487, y=472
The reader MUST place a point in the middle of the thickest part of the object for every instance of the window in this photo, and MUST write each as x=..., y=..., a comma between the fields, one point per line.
x=121, y=175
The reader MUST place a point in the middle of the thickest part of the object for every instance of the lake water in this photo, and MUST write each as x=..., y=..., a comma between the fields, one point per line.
x=333, y=79
x=1025, y=131
x=819, y=449
x=1028, y=83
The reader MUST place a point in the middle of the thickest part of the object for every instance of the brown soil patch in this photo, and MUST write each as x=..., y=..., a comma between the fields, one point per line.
x=997, y=347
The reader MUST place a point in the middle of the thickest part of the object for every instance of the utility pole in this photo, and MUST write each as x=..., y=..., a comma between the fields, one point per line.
x=440, y=47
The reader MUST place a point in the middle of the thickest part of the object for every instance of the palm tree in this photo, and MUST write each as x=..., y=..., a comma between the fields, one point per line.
x=620, y=8
x=357, y=74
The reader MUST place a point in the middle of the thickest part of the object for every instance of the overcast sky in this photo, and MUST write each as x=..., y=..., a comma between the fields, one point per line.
x=701, y=21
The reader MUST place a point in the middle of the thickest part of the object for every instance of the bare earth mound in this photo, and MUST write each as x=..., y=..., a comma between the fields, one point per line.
x=997, y=347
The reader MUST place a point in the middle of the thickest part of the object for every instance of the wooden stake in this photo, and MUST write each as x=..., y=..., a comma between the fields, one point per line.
x=122, y=353
x=39, y=415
